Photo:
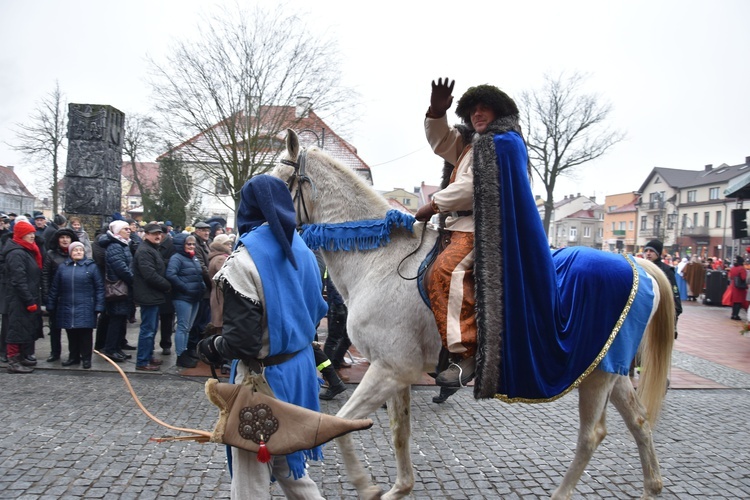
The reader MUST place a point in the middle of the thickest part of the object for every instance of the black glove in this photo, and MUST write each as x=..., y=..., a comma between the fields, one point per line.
x=441, y=98
x=207, y=352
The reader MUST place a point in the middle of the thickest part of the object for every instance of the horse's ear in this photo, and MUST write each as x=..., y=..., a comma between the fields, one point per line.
x=292, y=144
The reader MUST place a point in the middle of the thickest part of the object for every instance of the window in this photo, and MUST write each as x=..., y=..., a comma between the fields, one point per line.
x=587, y=232
x=713, y=193
x=684, y=221
x=630, y=225
x=611, y=208
x=692, y=196
x=718, y=218
x=695, y=219
x=600, y=233
x=407, y=201
x=573, y=233
x=644, y=222
x=705, y=219
x=622, y=225
x=613, y=225
x=671, y=220
x=221, y=187
x=657, y=223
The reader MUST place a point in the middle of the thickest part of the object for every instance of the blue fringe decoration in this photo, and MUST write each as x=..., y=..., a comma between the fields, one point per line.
x=356, y=235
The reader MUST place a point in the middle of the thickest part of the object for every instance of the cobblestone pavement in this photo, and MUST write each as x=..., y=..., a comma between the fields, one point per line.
x=79, y=435
x=72, y=433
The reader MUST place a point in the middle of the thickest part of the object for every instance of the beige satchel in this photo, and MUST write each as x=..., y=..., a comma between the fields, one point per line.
x=249, y=419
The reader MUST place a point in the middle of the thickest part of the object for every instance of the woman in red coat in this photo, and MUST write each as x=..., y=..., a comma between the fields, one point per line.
x=738, y=276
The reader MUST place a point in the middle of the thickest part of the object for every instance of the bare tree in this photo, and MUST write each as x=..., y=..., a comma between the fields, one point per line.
x=139, y=139
x=224, y=98
x=44, y=137
x=564, y=128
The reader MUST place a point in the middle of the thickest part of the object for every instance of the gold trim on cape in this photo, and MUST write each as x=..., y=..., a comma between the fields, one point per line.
x=602, y=353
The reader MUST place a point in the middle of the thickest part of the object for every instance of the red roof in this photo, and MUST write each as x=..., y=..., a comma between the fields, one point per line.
x=11, y=184
x=148, y=174
x=312, y=130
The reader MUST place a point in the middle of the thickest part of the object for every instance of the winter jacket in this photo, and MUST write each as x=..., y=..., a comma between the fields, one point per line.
x=54, y=257
x=151, y=286
x=118, y=263
x=76, y=294
x=23, y=287
x=185, y=273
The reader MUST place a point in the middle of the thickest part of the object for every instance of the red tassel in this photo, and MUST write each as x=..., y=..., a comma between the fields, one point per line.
x=263, y=455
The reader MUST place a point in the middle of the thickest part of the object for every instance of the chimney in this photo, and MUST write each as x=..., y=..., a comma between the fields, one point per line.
x=747, y=162
x=592, y=198
x=578, y=195
x=303, y=107
x=11, y=167
x=709, y=167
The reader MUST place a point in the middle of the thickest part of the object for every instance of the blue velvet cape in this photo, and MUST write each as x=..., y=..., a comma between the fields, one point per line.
x=563, y=313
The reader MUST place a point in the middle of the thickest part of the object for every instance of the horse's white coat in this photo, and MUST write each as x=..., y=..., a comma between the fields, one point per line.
x=391, y=326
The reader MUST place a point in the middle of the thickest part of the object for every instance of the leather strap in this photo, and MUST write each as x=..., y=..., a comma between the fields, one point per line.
x=256, y=365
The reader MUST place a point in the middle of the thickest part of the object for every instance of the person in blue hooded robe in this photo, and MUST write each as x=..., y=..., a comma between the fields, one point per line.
x=272, y=303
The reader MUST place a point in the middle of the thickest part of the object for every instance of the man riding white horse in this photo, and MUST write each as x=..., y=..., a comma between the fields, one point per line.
x=482, y=109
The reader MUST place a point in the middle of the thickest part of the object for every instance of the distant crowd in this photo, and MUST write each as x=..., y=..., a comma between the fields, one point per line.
x=94, y=284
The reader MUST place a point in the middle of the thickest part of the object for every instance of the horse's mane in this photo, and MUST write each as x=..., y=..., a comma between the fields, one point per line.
x=365, y=194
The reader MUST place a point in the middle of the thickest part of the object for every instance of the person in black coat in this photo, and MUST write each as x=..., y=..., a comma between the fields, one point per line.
x=166, y=310
x=150, y=291
x=23, y=296
x=57, y=253
x=118, y=266
x=76, y=296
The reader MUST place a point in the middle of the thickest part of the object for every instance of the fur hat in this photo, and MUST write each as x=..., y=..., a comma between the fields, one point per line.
x=117, y=225
x=489, y=95
x=655, y=245
x=22, y=228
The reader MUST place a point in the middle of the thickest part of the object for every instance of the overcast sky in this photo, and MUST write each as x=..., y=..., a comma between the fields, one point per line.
x=675, y=72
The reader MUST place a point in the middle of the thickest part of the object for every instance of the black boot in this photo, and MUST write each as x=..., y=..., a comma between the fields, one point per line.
x=445, y=393
x=332, y=391
x=185, y=360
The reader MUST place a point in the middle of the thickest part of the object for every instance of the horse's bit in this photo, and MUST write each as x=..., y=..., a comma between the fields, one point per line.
x=300, y=177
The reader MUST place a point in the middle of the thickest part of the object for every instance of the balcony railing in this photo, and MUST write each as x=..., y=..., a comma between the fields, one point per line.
x=695, y=231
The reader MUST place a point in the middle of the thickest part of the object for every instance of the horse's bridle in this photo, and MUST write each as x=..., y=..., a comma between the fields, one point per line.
x=300, y=177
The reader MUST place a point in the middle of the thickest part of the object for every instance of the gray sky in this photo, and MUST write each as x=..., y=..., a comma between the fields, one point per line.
x=675, y=72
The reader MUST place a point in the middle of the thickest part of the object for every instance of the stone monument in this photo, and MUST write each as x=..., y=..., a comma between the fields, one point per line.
x=93, y=189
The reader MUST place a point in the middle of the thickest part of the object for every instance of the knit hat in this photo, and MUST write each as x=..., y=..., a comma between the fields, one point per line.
x=76, y=244
x=655, y=245
x=221, y=242
x=22, y=228
x=117, y=225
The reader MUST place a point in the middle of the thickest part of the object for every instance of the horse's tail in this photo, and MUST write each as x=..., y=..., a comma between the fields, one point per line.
x=656, y=346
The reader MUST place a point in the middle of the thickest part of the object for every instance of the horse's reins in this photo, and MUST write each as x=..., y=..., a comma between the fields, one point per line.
x=300, y=177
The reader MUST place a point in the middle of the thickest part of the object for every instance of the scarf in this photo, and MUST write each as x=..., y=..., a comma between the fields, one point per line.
x=31, y=247
x=118, y=237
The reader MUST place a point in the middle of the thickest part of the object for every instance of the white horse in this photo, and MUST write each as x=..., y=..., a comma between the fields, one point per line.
x=393, y=328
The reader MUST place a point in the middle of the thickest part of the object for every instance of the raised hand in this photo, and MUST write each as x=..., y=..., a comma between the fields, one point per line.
x=442, y=97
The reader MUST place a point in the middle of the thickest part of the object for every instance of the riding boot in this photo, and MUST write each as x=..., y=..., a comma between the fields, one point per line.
x=15, y=365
